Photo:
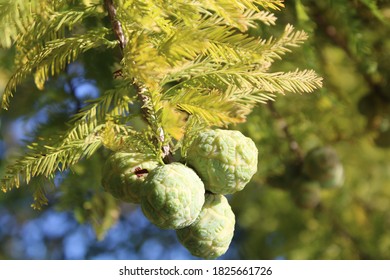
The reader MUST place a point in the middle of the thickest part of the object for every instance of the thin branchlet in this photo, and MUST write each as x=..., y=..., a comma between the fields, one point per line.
x=117, y=28
x=116, y=25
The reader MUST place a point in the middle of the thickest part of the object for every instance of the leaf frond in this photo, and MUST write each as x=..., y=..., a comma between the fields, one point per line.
x=40, y=192
x=121, y=137
x=246, y=77
x=275, y=48
x=270, y=4
x=113, y=103
x=214, y=39
x=46, y=161
x=53, y=58
x=15, y=17
x=48, y=27
x=241, y=14
x=211, y=107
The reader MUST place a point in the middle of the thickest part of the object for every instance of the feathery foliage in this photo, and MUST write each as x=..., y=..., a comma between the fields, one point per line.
x=16, y=16
x=53, y=58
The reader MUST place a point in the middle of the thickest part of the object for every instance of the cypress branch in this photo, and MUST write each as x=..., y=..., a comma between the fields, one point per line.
x=46, y=161
x=113, y=103
x=149, y=102
x=189, y=63
x=116, y=25
x=246, y=77
x=15, y=17
x=54, y=58
x=50, y=26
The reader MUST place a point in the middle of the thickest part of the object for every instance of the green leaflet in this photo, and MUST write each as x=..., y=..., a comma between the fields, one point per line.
x=53, y=58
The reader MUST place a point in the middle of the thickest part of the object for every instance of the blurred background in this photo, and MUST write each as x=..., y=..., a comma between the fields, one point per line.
x=349, y=46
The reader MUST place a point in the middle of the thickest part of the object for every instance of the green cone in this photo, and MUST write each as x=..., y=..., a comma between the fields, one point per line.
x=226, y=160
x=211, y=234
x=172, y=196
x=124, y=173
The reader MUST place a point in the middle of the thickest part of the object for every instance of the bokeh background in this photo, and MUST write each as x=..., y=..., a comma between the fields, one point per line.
x=349, y=46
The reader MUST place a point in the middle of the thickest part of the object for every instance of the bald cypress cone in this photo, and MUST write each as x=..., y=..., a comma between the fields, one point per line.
x=226, y=160
x=211, y=233
x=123, y=174
x=172, y=196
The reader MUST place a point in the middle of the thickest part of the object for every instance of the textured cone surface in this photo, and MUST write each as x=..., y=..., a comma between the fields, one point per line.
x=124, y=174
x=210, y=235
x=172, y=196
x=226, y=160
x=306, y=193
x=323, y=164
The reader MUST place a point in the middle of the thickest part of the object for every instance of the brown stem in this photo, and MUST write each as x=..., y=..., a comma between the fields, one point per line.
x=116, y=25
x=117, y=28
